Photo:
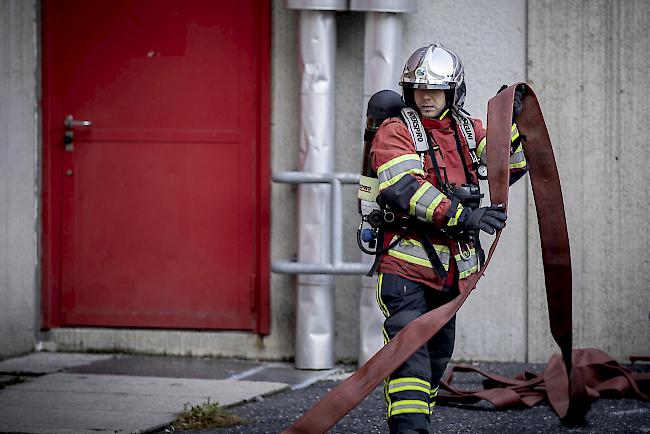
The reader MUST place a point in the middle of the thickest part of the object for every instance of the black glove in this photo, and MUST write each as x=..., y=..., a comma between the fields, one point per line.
x=516, y=104
x=488, y=219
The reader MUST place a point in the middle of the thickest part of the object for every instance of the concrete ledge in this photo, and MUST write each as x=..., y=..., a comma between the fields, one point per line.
x=164, y=342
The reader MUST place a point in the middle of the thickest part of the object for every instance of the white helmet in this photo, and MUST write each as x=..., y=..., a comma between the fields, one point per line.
x=436, y=67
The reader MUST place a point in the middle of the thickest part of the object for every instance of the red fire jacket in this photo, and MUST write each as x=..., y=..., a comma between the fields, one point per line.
x=394, y=158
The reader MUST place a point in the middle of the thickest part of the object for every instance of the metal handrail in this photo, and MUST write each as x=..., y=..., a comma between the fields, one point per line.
x=336, y=265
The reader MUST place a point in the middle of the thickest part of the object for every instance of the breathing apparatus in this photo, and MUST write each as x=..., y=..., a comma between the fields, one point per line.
x=381, y=106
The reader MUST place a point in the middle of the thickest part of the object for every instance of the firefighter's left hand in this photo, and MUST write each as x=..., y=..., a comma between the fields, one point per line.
x=517, y=105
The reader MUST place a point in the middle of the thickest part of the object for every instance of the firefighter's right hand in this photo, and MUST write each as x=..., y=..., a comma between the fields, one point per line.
x=488, y=219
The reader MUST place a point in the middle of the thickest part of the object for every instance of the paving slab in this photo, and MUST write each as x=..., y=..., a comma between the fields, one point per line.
x=76, y=403
x=174, y=367
x=185, y=367
x=45, y=363
x=286, y=373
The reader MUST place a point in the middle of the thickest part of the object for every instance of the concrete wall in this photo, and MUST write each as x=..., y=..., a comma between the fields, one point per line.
x=588, y=62
x=18, y=177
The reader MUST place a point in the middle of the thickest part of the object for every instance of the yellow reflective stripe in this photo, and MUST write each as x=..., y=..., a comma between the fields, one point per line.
x=519, y=165
x=481, y=147
x=411, y=250
x=403, y=380
x=411, y=164
x=409, y=410
x=382, y=306
x=409, y=258
x=466, y=273
x=432, y=398
x=417, y=195
x=453, y=221
x=385, y=333
x=467, y=266
x=433, y=206
x=403, y=388
x=408, y=406
x=413, y=242
x=515, y=132
x=443, y=114
x=472, y=252
x=518, y=158
x=399, y=176
x=408, y=383
x=390, y=163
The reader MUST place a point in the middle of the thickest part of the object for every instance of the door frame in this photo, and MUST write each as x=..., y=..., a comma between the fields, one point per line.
x=52, y=174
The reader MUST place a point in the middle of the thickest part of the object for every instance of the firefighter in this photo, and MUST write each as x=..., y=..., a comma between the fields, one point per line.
x=438, y=188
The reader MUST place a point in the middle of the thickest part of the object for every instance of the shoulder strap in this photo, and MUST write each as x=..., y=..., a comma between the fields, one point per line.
x=467, y=128
x=416, y=129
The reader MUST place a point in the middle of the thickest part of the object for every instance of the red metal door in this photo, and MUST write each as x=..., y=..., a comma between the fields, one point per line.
x=156, y=217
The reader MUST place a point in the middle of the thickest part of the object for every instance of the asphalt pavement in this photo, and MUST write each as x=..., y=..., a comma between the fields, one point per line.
x=272, y=414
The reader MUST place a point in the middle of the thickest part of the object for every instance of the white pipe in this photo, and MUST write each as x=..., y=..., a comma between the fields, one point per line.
x=315, y=329
x=382, y=68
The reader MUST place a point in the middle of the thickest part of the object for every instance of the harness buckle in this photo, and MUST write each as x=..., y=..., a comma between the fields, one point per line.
x=464, y=255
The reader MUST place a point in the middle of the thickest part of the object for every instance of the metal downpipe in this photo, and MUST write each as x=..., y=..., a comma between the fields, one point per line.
x=382, y=67
x=315, y=328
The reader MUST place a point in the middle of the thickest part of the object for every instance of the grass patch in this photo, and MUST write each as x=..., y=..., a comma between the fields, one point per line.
x=206, y=415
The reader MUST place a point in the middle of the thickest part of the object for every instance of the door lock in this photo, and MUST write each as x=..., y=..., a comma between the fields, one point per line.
x=70, y=123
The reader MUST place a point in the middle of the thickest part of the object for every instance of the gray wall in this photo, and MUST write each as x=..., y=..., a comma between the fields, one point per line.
x=18, y=177
x=588, y=62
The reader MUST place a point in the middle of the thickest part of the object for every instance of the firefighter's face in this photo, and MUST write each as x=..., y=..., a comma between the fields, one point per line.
x=431, y=102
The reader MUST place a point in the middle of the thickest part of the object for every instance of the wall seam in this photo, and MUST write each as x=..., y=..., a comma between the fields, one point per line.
x=38, y=172
x=526, y=206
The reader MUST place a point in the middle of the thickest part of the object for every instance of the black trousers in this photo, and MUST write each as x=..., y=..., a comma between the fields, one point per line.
x=411, y=390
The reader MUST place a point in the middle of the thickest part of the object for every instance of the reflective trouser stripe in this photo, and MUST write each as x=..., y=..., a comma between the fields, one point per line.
x=380, y=302
x=412, y=251
x=394, y=170
x=432, y=398
x=408, y=406
x=424, y=201
x=382, y=305
x=408, y=383
x=467, y=266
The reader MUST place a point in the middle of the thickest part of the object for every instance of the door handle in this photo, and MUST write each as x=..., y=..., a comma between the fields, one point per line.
x=70, y=122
